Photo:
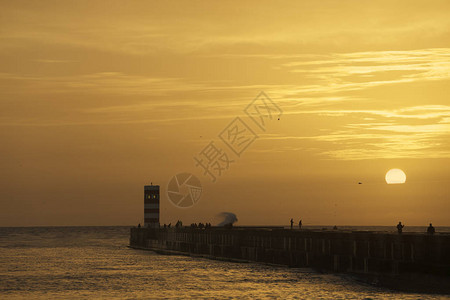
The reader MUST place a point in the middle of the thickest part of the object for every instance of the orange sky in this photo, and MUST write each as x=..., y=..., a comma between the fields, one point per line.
x=98, y=99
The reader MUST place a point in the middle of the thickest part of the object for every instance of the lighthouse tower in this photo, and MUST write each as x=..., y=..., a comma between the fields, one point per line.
x=151, y=205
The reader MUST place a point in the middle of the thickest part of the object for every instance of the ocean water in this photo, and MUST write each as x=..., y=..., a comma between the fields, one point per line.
x=95, y=262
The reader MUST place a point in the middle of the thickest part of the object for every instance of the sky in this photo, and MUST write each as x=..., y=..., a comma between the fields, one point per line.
x=99, y=98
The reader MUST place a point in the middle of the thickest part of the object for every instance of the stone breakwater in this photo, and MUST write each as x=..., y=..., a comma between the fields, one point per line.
x=408, y=261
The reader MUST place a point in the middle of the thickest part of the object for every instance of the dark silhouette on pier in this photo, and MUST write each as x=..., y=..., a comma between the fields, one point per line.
x=430, y=229
x=400, y=227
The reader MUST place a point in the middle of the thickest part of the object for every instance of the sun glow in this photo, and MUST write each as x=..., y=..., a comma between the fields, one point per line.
x=395, y=176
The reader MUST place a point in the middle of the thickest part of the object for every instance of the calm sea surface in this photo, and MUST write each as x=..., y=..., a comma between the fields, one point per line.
x=94, y=262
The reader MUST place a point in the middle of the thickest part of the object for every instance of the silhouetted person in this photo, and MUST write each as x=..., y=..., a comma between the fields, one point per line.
x=170, y=224
x=139, y=225
x=335, y=227
x=292, y=223
x=300, y=224
x=430, y=229
x=400, y=227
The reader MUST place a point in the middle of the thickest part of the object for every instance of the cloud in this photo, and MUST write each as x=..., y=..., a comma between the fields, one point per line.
x=52, y=61
x=145, y=27
x=406, y=131
x=413, y=112
x=337, y=73
x=381, y=134
x=116, y=83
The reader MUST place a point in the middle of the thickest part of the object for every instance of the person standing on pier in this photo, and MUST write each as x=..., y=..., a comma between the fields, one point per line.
x=400, y=227
x=300, y=224
x=431, y=229
x=292, y=223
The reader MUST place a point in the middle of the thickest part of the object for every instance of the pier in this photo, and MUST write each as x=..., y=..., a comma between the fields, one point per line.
x=415, y=260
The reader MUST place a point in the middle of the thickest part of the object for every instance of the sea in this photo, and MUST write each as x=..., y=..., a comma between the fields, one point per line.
x=95, y=262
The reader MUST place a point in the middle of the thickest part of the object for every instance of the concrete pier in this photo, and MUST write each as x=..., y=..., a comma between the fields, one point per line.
x=414, y=260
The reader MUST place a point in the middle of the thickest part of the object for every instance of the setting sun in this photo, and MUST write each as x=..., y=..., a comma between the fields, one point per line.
x=395, y=176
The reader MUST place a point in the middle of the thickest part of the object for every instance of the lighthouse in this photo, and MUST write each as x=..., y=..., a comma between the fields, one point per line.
x=151, y=205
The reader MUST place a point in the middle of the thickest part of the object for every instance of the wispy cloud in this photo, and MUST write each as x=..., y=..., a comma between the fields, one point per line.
x=119, y=83
x=51, y=61
x=413, y=112
x=405, y=131
x=337, y=73
x=425, y=134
